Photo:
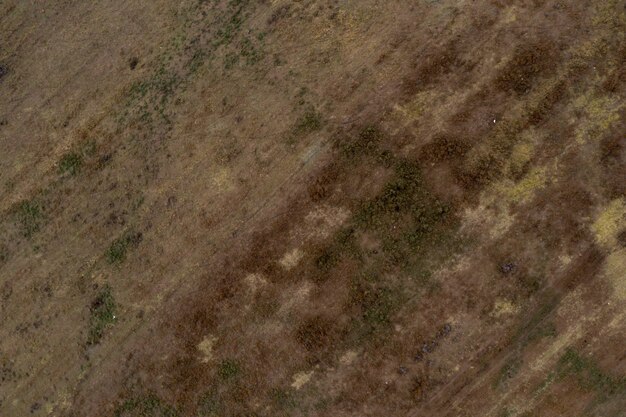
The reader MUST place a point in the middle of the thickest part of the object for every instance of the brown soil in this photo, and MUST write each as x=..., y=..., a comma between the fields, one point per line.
x=313, y=208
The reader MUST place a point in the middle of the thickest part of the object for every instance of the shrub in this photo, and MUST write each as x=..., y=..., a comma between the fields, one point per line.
x=30, y=215
x=102, y=315
x=228, y=369
x=70, y=163
x=119, y=248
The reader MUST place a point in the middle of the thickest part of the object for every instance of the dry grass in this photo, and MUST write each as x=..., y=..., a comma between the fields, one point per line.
x=228, y=208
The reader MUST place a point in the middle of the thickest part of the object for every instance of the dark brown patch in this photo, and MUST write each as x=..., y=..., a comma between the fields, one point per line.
x=322, y=185
x=559, y=216
x=543, y=108
x=433, y=65
x=529, y=63
x=444, y=147
x=316, y=333
x=611, y=148
x=476, y=175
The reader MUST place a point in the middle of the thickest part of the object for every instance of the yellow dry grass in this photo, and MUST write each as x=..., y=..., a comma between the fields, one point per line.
x=610, y=222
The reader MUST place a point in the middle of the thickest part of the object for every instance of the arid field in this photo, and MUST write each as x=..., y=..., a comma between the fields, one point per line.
x=342, y=208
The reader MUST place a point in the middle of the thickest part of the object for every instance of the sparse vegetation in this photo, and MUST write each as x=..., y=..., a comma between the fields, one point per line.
x=365, y=143
x=408, y=220
x=309, y=122
x=118, y=250
x=30, y=217
x=404, y=214
x=375, y=302
x=544, y=330
x=507, y=372
x=327, y=259
x=250, y=53
x=210, y=404
x=228, y=369
x=70, y=163
x=146, y=406
x=283, y=399
x=230, y=60
x=589, y=375
x=4, y=253
x=377, y=307
x=375, y=218
x=102, y=315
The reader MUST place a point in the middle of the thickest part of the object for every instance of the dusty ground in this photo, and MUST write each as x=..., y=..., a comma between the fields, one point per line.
x=312, y=208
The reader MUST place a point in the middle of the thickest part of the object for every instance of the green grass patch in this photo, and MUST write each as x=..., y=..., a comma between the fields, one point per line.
x=365, y=143
x=138, y=202
x=196, y=61
x=30, y=217
x=405, y=216
x=376, y=301
x=250, y=53
x=377, y=307
x=417, y=234
x=589, y=375
x=327, y=259
x=228, y=369
x=149, y=99
x=70, y=163
x=283, y=399
x=342, y=245
x=227, y=33
x=230, y=60
x=146, y=406
x=404, y=193
x=118, y=250
x=415, y=230
x=309, y=122
x=102, y=311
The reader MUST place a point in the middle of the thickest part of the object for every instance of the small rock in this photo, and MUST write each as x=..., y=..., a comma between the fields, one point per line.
x=403, y=370
x=429, y=347
x=508, y=267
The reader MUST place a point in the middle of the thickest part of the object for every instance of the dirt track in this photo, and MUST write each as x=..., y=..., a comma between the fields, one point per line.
x=312, y=208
